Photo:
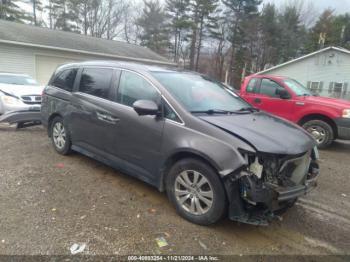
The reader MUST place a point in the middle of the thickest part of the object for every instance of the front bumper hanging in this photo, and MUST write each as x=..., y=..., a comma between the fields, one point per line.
x=25, y=118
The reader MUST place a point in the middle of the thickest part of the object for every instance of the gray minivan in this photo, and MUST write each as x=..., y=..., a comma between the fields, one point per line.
x=184, y=133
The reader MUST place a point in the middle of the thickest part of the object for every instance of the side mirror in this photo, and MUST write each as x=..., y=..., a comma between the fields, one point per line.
x=145, y=107
x=282, y=93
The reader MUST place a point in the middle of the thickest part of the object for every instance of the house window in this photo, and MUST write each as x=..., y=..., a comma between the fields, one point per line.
x=315, y=87
x=338, y=89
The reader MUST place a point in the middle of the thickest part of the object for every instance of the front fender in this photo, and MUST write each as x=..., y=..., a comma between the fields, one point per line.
x=223, y=156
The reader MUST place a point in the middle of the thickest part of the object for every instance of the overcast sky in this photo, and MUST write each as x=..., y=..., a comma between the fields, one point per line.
x=340, y=6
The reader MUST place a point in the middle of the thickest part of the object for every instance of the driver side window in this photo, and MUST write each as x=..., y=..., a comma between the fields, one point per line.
x=133, y=87
x=269, y=88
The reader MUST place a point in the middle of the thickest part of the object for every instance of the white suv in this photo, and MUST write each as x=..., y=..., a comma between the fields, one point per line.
x=19, y=92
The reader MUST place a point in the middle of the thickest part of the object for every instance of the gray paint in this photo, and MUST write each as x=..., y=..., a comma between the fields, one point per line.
x=143, y=145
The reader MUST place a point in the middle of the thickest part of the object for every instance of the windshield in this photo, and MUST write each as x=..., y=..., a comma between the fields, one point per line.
x=198, y=93
x=297, y=88
x=17, y=80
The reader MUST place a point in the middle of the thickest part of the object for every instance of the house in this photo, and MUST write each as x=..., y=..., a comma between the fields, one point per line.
x=326, y=72
x=39, y=51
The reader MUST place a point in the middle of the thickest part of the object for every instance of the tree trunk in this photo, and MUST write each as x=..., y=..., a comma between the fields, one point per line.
x=34, y=12
x=199, y=41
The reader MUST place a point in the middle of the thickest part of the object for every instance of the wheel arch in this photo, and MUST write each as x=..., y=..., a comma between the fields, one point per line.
x=177, y=156
x=51, y=118
x=322, y=117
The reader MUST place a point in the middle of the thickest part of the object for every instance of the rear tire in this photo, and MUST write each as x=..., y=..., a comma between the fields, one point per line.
x=321, y=131
x=196, y=191
x=60, y=136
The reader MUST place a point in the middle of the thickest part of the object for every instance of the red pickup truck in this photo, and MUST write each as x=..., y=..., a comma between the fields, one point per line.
x=325, y=118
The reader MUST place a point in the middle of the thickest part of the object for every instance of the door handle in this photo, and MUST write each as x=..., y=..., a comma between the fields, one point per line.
x=107, y=118
x=257, y=100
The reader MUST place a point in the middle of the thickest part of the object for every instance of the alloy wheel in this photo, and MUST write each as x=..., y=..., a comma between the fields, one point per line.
x=194, y=192
x=59, y=135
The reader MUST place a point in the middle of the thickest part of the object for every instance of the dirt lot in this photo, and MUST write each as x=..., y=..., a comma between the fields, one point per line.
x=49, y=202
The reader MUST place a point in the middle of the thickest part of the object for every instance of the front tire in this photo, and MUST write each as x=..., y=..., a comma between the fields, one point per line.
x=321, y=131
x=60, y=136
x=196, y=191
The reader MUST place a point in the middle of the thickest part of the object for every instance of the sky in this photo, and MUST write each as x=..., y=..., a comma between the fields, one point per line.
x=340, y=6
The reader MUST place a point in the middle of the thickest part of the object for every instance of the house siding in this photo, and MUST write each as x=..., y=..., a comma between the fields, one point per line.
x=328, y=67
x=22, y=59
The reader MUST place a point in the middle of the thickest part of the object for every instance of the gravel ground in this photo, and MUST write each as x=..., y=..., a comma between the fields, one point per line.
x=48, y=202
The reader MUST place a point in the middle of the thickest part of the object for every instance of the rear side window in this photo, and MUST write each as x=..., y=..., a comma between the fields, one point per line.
x=65, y=79
x=252, y=86
x=269, y=87
x=96, y=81
x=133, y=87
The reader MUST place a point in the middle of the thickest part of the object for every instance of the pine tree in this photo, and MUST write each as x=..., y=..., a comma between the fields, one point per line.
x=9, y=10
x=177, y=12
x=201, y=11
x=238, y=12
x=153, y=24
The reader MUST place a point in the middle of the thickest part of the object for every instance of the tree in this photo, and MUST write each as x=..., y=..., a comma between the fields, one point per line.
x=269, y=42
x=177, y=12
x=36, y=6
x=218, y=30
x=238, y=13
x=153, y=23
x=201, y=12
x=9, y=10
x=292, y=34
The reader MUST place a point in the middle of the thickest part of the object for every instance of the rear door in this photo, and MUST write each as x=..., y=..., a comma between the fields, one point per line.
x=94, y=120
x=268, y=100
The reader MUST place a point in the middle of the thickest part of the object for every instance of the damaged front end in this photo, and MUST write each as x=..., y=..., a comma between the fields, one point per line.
x=269, y=184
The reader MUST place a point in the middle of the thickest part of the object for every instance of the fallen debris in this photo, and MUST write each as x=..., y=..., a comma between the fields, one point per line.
x=204, y=246
x=152, y=210
x=60, y=165
x=161, y=241
x=76, y=248
x=344, y=195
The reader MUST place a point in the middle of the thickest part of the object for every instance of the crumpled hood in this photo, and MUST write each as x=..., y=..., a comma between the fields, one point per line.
x=267, y=133
x=20, y=90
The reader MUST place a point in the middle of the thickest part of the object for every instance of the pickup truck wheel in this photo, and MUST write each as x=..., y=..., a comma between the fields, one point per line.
x=321, y=131
x=196, y=191
x=60, y=137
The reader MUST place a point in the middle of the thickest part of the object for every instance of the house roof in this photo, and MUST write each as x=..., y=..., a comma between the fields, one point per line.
x=33, y=36
x=339, y=49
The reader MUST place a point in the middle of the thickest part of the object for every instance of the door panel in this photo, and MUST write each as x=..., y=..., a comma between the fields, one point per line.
x=268, y=100
x=139, y=137
x=94, y=123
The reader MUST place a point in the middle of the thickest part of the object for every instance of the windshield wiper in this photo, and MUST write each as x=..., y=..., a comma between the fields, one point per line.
x=213, y=111
x=249, y=109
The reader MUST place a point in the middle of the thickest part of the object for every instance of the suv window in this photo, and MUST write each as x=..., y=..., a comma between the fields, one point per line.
x=269, y=87
x=251, y=87
x=65, y=79
x=133, y=87
x=96, y=81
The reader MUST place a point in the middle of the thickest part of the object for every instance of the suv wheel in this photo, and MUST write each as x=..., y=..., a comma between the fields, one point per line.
x=321, y=131
x=60, y=137
x=196, y=191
